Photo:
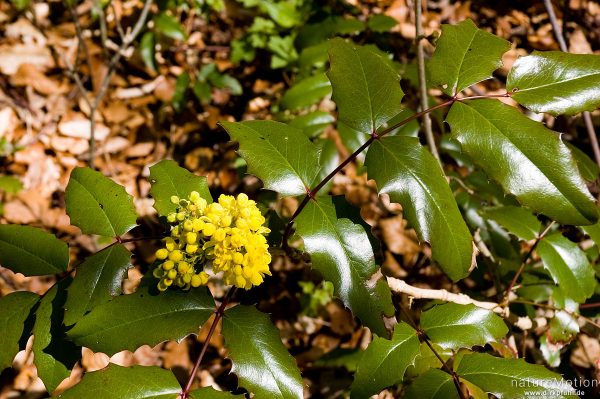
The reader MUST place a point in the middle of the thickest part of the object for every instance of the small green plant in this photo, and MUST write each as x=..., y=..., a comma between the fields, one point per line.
x=519, y=183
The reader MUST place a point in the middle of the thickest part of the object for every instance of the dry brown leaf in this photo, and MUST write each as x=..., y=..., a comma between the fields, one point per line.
x=29, y=75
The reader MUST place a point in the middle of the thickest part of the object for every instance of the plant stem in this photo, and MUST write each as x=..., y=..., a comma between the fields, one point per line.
x=524, y=262
x=554, y=308
x=424, y=98
x=589, y=305
x=560, y=38
x=218, y=316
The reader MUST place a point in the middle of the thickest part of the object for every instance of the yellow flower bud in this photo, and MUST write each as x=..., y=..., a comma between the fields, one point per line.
x=176, y=256
x=171, y=274
x=209, y=229
x=188, y=225
x=172, y=217
x=191, y=248
x=168, y=265
x=183, y=267
x=191, y=237
x=162, y=253
x=175, y=199
x=196, y=281
x=194, y=196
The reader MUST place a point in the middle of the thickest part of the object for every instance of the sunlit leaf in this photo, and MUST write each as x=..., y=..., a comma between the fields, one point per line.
x=14, y=310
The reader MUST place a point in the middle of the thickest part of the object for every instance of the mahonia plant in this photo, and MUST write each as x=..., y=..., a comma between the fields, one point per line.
x=517, y=183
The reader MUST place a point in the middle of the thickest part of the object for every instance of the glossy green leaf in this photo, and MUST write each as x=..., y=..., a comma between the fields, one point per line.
x=512, y=378
x=53, y=354
x=329, y=159
x=143, y=318
x=98, y=280
x=563, y=326
x=261, y=362
x=568, y=266
x=14, y=310
x=31, y=251
x=411, y=176
x=280, y=155
x=341, y=251
x=433, y=384
x=384, y=362
x=556, y=82
x=98, y=205
x=211, y=393
x=116, y=382
x=517, y=220
x=427, y=359
x=169, y=26
x=527, y=159
x=147, y=44
x=168, y=179
x=464, y=55
x=314, y=123
x=455, y=326
x=365, y=87
x=594, y=232
x=306, y=92
x=587, y=167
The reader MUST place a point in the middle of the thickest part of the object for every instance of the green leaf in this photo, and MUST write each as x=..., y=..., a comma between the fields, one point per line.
x=329, y=160
x=31, y=251
x=563, y=326
x=517, y=220
x=98, y=280
x=594, y=232
x=147, y=44
x=98, y=205
x=587, y=167
x=261, y=362
x=462, y=326
x=313, y=124
x=381, y=23
x=169, y=26
x=116, y=382
x=365, y=87
x=384, y=362
x=512, y=378
x=533, y=163
x=306, y=92
x=179, y=96
x=433, y=384
x=556, y=82
x=411, y=176
x=341, y=251
x=130, y=321
x=464, y=55
x=10, y=184
x=168, y=179
x=280, y=155
x=211, y=393
x=14, y=310
x=20, y=4
x=53, y=354
x=568, y=266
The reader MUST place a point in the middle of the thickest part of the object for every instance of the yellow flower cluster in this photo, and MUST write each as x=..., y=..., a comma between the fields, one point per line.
x=229, y=234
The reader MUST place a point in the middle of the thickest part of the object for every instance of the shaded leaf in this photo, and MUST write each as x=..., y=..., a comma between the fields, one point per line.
x=169, y=26
x=411, y=176
x=556, y=82
x=587, y=167
x=139, y=382
x=433, y=384
x=179, y=95
x=533, y=163
x=130, y=321
x=594, y=232
x=261, y=362
x=211, y=393
x=464, y=55
x=280, y=155
x=98, y=280
x=31, y=251
x=340, y=250
x=53, y=354
x=568, y=266
x=384, y=362
x=14, y=310
x=147, y=44
x=98, y=205
x=517, y=220
x=365, y=87
x=168, y=179
x=381, y=23
x=455, y=326
x=313, y=124
x=306, y=92
x=329, y=159
x=512, y=378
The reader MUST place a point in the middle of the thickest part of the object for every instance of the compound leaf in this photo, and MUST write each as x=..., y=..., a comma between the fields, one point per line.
x=14, y=310
x=130, y=321
x=556, y=82
x=31, y=251
x=527, y=159
x=384, y=362
x=512, y=378
x=341, y=251
x=455, y=326
x=98, y=280
x=168, y=179
x=365, y=87
x=98, y=205
x=568, y=266
x=278, y=154
x=411, y=176
x=465, y=55
x=116, y=382
x=261, y=362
